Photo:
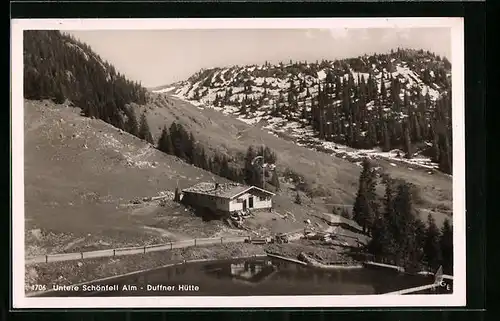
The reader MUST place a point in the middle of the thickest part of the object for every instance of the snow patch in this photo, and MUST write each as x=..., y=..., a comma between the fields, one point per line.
x=321, y=75
x=164, y=90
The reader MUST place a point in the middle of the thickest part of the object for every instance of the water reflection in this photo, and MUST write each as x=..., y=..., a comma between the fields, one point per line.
x=265, y=276
x=249, y=271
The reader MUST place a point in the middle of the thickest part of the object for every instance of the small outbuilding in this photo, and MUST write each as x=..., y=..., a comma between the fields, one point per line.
x=227, y=198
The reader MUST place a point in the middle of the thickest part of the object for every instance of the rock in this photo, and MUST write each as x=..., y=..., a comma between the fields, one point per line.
x=79, y=264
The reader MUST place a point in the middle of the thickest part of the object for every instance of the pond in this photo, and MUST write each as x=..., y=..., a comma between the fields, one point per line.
x=253, y=276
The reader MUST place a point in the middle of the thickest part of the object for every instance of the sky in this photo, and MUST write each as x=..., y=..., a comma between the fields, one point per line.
x=161, y=57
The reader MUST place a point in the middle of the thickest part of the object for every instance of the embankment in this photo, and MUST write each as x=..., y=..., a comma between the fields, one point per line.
x=72, y=272
x=323, y=254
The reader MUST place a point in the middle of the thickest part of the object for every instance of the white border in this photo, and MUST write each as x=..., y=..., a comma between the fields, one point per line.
x=458, y=298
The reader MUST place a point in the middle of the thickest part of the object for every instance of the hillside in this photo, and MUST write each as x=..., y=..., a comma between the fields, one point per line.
x=87, y=168
x=333, y=180
x=58, y=67
x=88, y=160
x=82, y=177
x=395, y=106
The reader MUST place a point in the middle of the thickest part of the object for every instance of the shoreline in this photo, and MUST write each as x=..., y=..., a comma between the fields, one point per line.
x=92, y=269
x=35, y=294
x=96, y=270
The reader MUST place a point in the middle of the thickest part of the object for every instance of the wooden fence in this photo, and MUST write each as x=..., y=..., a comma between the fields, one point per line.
x=134, y=250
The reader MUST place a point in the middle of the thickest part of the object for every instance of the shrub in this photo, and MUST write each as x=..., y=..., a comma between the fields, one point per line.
x=291, y=174
x=298, y=200
x=345, y=214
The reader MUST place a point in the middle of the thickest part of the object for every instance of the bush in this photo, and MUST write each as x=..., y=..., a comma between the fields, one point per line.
x=298, y=200
x=415, y=193
x=345, y=214
x=291, y=174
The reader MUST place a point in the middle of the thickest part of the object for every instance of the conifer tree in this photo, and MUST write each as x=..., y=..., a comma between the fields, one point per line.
x=381, y=243
x=432, y=250
x=386, y=137
x=203, y=159
x=390, y=216
x=177, y=140
x=365, y=207
x=407, y=142
x=275, y=180
x=243, y=106
x=405, y=234
x=162, y=140
x=190, y=144
x=435, y=144
x=144, y=132
x=224, y=168
x=250, y=173
x=445, y=153
x=168, y=146
x=420, y=237
x=131, y=124
x=446, y=245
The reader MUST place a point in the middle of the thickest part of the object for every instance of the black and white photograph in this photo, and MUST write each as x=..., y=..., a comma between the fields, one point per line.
x=238, y=162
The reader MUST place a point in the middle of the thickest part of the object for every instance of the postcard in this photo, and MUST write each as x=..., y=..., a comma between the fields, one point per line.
x=212, y=163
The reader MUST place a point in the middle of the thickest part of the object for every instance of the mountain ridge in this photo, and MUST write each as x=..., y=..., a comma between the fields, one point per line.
x=397, y=101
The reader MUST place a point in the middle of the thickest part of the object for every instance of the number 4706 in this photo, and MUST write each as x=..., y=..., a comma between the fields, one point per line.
x=39, y=287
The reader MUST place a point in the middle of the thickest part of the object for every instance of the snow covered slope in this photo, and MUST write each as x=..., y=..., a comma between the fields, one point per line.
x=339, y=107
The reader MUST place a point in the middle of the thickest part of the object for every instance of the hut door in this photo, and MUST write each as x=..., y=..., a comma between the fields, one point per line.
x=244, y=205
x=250, y=202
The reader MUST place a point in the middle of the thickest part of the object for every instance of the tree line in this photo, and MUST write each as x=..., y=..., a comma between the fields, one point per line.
x=59, y=67
x=352, y=106
x=176, y=140
x=397, y=234
x=357, y=114
x=363, y=114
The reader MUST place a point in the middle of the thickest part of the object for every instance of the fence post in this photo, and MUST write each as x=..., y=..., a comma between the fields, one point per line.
x=81, y=254
x=46, y=259
x=194, y=242
x=171, y=245
x=114, y=252
x=221, y=240
x=144, y=249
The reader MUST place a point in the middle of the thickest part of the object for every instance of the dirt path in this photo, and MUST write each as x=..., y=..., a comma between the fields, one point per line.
x=170, y=235
x=73, y=243
x=135, y=250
